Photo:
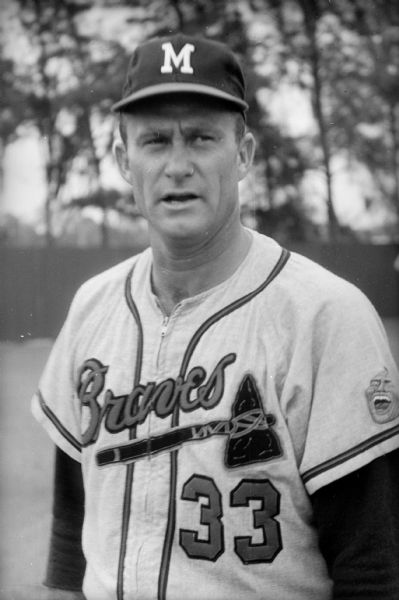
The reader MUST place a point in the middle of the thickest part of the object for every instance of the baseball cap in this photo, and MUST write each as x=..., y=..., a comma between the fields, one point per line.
x=183, y=64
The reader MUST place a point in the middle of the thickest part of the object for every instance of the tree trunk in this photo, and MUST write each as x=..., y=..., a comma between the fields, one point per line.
x=395, y=152
x=310, y=14
x=104, y=229
x=269, y=185
x=45, y=122
x=179, y=15
x=45, y=127
x=48, y=232
x=2, y=153
x=84, y=121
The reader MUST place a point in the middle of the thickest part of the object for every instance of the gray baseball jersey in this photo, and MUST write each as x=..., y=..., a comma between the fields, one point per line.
x=202, y=435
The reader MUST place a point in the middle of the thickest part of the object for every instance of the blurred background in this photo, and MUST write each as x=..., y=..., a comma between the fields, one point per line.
x=323, y=89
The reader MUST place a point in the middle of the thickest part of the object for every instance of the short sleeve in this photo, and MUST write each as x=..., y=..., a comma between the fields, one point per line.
x=55, y=405
x=354, y=397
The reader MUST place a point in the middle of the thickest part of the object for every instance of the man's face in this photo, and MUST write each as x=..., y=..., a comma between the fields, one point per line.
x=184, y=161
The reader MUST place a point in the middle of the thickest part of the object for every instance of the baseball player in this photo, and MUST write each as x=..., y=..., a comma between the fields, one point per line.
x=226, y=413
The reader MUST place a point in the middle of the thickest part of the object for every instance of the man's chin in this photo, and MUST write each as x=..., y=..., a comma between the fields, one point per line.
x=187, y=236
x=183, y=228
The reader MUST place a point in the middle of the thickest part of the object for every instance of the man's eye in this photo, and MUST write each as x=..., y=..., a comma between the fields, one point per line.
x=202, y=137
x=155, y=141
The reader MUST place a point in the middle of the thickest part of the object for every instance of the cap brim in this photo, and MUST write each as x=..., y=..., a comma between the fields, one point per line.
x=176, y=88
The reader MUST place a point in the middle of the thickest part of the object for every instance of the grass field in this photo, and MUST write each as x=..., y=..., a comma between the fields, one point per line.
x=26, y=457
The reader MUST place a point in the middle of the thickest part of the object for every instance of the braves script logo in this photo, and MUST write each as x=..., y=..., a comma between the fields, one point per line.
x=183, y=59
x=128, y=410
x=250, y=433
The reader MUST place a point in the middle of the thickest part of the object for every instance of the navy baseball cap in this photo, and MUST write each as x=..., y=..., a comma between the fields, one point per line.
x=183, y=64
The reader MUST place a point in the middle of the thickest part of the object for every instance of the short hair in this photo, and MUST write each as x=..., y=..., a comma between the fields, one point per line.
x=240, y=123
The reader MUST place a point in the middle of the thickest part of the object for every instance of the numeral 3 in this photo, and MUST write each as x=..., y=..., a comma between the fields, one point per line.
x=212, y=513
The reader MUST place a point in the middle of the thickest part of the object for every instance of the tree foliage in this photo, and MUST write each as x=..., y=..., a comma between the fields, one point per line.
x=342, y=54
x=68, y=85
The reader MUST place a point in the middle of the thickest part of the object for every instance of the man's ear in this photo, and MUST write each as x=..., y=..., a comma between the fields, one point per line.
x=121, y=157
x=246, y=152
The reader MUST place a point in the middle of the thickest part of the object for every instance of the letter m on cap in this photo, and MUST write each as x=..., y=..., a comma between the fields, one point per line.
x=180, y=61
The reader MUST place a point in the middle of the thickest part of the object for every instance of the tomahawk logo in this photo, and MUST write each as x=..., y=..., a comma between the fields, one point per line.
x=180, y=61
x=251, y=436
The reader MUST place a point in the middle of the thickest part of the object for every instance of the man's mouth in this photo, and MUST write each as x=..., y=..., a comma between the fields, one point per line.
x=178, y=197
x=381, y=402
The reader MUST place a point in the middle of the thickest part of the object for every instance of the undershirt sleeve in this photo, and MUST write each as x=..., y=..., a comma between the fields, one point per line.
x=66, y=563
x=357, y=518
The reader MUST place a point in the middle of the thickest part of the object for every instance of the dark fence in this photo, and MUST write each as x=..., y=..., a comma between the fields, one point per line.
x=37, y=284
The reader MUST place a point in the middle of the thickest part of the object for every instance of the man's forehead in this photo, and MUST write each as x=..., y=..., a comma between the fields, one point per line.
x=184, y=118
x=181, y=105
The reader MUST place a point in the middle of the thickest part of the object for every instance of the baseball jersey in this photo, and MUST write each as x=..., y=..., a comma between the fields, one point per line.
x=202, y=435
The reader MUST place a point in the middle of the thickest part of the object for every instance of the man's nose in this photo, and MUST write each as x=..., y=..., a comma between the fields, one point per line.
x=179, y=164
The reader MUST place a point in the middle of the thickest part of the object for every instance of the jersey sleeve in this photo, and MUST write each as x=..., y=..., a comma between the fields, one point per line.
x=55, y=404
x=354, y=394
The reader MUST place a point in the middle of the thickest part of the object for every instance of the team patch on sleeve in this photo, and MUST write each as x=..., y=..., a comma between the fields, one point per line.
x=383, y=400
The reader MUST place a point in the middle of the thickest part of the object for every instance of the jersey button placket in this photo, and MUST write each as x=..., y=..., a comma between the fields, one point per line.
x=164, y=329
x=155, y=511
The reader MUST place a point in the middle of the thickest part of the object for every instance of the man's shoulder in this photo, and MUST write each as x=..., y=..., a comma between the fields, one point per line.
x=315, y=292
x=305, y=283
x=310, y=276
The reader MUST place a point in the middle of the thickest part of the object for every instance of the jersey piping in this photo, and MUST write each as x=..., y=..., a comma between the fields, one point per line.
x=127, y=499
x=57, y=423
x=170, y=528
x=344, y=456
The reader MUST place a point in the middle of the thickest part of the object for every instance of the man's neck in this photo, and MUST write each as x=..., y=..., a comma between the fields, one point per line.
x=182, y=272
